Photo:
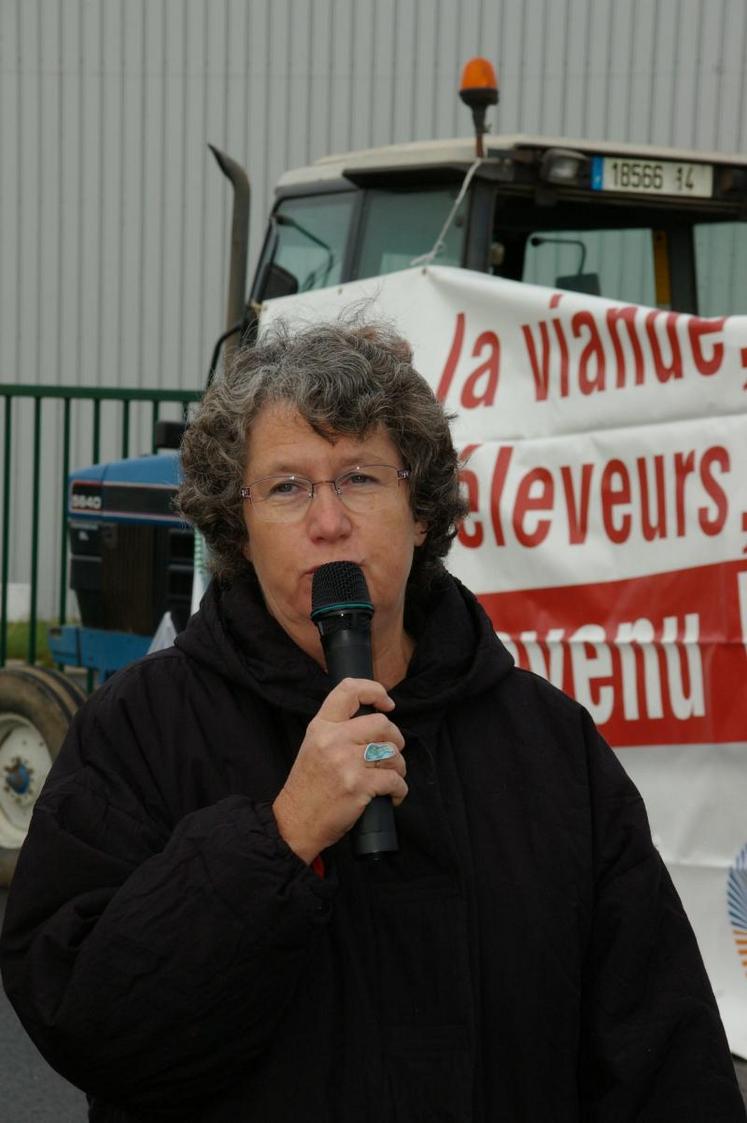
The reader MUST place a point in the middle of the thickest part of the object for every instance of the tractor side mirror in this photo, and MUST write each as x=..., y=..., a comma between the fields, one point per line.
x=276, y=281
x=580, y=282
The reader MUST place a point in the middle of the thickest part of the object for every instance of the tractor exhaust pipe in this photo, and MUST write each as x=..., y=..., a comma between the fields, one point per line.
x=236, y=302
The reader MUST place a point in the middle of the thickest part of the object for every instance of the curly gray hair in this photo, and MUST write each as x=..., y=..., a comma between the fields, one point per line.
x=347, y=380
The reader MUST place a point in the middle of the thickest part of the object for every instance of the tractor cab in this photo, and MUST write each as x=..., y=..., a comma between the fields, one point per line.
x=660, y=227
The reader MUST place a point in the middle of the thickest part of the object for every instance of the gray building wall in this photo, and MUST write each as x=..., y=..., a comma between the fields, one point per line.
x=114, y=219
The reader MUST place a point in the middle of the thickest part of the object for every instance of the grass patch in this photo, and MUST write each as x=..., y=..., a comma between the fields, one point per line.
x=18, y=641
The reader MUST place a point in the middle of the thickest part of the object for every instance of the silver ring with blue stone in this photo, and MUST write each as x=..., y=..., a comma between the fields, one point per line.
x=376, y=751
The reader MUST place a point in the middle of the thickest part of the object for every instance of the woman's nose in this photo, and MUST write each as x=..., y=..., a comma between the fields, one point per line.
x=327, y=514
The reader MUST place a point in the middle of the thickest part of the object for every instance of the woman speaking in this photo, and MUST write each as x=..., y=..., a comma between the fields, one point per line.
x=191, y=934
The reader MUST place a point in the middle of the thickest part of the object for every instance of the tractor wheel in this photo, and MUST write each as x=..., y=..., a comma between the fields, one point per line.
x=36, y=707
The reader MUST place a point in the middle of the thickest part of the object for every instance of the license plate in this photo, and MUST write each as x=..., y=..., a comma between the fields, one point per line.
x=651, y=177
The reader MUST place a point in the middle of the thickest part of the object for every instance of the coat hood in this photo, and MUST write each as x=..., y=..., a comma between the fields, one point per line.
x=457, y=653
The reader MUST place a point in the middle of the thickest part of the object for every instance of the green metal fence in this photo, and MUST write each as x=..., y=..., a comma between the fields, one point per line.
x=68, y=399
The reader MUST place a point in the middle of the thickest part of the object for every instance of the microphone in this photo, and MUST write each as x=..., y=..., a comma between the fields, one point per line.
x=341, y=608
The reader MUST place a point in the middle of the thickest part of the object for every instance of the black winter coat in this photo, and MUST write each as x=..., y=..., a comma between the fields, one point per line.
x=524, y=957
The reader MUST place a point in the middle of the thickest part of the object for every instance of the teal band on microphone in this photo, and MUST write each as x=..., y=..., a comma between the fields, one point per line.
x=342, y=606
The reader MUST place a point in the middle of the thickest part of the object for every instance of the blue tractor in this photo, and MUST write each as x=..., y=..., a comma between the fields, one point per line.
x=131, y=561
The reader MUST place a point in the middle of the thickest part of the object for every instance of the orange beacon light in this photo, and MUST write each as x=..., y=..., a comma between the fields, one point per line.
x=478, y=90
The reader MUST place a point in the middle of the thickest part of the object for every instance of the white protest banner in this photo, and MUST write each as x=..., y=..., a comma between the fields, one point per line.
x=605, y=460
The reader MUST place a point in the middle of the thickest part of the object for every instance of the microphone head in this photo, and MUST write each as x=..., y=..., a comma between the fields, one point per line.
x=339, y=587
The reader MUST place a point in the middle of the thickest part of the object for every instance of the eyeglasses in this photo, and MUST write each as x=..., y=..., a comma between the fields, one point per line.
x=362, y=489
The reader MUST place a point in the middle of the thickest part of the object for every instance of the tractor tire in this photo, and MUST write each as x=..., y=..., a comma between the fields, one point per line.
x=37, y=705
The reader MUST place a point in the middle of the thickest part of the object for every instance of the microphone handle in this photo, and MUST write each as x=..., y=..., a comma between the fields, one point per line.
x=348, y=655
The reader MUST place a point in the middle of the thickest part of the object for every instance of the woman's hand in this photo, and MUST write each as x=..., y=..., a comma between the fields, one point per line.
x=330, y=783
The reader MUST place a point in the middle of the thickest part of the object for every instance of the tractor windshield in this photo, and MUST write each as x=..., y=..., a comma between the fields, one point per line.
x=400, y=226
x=318, y=240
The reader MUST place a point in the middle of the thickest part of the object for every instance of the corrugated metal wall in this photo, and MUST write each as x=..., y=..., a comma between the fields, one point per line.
x=114, y=219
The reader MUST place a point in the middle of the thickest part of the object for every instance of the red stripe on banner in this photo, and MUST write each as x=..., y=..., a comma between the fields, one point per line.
x=658, y=660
